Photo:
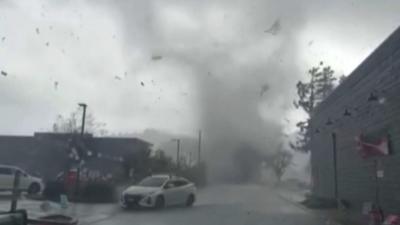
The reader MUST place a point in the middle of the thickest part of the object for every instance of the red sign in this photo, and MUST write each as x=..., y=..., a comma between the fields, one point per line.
x=371, y=146
x=392, y=220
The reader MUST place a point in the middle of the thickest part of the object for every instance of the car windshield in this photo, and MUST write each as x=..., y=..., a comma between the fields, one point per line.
x=153, y=182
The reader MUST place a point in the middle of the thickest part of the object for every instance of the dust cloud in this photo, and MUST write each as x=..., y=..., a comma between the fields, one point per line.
x=240, y=124
x=232, y=60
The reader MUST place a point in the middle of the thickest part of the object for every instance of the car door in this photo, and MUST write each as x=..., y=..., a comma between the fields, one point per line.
x=6, y=178
x=24, y=181
x=171, y=193
x=181, y=191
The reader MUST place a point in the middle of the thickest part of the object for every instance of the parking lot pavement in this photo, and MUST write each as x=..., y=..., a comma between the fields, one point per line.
x=86, y=213
x=224, y=204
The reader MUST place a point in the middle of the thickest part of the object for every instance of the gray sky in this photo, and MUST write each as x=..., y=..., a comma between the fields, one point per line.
x=215, y=57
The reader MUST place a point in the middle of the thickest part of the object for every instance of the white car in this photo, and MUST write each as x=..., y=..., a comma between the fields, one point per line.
x=159, y=191
x=31, y=184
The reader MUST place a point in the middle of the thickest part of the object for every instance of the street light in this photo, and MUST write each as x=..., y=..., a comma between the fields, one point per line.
x=78, y=169
x=178, y=145
x=83, y=105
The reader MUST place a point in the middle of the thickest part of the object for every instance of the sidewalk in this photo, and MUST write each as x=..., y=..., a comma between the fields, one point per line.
x=332, y=216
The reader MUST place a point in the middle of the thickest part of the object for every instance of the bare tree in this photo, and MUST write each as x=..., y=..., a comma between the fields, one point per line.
x=281, y=161
x=72, y=124
x=321, y=83
x=342, y=79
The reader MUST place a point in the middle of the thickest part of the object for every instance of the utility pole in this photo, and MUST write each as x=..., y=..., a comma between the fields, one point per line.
x=178, y=146
x=199, y=149
x=78, y=169
x=83, y=105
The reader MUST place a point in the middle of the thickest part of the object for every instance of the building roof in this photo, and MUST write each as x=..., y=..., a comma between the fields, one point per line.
x=387, y=48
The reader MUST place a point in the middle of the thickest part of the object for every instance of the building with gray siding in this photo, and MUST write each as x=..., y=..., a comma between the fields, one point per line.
x=47, y=154
x=366, y=103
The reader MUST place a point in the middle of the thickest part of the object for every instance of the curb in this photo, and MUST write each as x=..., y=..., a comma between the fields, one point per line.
x=316, y=213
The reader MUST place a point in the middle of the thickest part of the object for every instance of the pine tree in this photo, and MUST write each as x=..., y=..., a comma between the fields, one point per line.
x=320, y=85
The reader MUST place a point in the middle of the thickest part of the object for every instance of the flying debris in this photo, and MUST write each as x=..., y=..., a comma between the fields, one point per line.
x=47, y=44
x=4, y=73
x=117, y=78
x=141, y=83
x=264, y=89
x=310, y=42
x=37, y=30
x=321, y=63
x=156, y=57
x=55, y=85
x=3, y=38
x=275, y=28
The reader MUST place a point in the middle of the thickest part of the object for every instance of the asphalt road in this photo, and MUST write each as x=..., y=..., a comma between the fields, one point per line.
x=220, y=205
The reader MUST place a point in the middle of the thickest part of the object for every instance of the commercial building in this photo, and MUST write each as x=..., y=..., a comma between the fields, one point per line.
x=355, y=142
x=48, y=154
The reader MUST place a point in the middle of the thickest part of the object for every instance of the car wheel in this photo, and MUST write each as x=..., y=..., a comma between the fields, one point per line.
x=190, y=200
x=34, y=188
x=160, y=203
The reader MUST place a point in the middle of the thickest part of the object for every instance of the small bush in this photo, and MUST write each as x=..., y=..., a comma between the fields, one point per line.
x=98, y=192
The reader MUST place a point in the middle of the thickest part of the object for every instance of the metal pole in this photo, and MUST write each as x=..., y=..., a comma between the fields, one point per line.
x=15, y=194
x=178, y=146
x=335, y=175
x=83, y=118
x=199, y=150
x=376, y=183
x=78, y=169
